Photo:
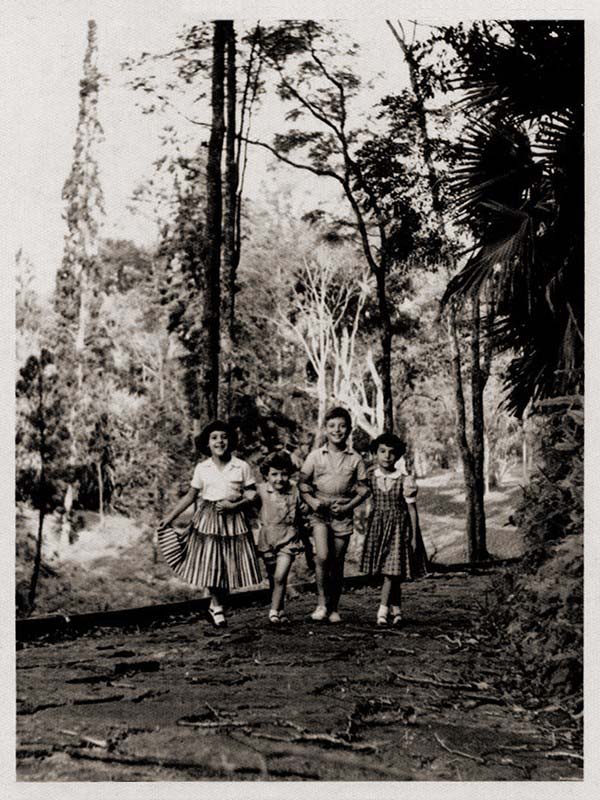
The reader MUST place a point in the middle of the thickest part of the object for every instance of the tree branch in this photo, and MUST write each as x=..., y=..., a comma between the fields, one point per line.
x=329, y=173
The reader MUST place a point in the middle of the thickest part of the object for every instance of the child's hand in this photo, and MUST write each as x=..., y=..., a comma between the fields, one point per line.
x=340, y=509
x=316, y=504
x=225, y=505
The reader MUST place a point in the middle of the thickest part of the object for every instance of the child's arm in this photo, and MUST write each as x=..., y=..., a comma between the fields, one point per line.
x=306, y=487
x=187, y=500
x=361, y=492
x=248, y=497
x=412, y=513
x=409, y=489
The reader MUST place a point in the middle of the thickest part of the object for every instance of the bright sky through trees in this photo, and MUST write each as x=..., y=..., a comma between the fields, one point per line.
x=48, y=42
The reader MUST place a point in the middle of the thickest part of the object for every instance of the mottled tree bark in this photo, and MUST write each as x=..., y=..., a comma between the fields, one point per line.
x=478, y=381
x=212, y=305
x=230, y=223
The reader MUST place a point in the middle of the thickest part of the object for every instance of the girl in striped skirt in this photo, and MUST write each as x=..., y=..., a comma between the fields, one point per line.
x=217, y=550
x=393, y=545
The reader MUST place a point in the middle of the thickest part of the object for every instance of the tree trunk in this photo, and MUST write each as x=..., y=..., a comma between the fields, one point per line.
x=230, y=221
x=477, y=433
x=488, y=480
x=322, y=398
x=385, y=338
x=212, y=309
x=100, y=492
x=37, y=562
x=472, y=461
x=461, y=435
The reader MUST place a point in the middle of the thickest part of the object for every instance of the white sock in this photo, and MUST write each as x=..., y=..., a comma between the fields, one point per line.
x=382, y=611
x=396, y=610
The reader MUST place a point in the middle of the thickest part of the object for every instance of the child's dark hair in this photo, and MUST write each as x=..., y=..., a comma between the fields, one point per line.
x=216, y=425
x=279, y=460
x=338, y=412
x=390, y=440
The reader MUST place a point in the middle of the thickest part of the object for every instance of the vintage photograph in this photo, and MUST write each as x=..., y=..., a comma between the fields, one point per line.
x=299, y=388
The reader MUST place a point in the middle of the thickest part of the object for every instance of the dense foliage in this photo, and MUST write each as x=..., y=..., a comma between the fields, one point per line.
x=538, y=611
x=520, y=186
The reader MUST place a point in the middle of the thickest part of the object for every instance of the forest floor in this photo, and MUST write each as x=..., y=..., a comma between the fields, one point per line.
x=112, y=565
x=308, y=701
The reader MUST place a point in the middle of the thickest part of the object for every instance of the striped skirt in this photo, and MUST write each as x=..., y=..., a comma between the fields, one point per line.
x=216, y=550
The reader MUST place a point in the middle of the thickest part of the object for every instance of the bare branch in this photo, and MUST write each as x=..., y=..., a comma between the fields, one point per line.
x=329, y=173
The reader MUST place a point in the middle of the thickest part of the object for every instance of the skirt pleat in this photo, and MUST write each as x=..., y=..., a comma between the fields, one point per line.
x=216, y=550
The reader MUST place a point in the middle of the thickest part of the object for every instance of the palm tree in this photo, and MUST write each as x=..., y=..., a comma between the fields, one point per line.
x=519, y=186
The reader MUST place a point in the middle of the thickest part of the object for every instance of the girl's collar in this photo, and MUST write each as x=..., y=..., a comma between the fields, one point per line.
x=221, y=463
x=379, y=473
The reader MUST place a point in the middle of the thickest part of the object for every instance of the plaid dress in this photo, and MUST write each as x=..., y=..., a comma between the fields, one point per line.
x=386, y=549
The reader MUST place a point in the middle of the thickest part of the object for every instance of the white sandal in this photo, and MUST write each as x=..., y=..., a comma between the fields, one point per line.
x=382, y=615
x=397, y=618
x=217, y=617
x=319, y=614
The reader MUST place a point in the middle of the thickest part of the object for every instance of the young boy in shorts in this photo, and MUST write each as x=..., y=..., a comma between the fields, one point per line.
x=333, y=481
x=279, y=538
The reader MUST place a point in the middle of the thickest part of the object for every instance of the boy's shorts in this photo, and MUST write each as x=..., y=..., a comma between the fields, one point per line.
x=290, y=549
x=338, y=527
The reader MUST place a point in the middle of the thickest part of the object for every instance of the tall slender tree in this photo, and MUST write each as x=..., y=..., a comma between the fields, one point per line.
x=77, y=295
x=230, y=214
x=214, y=216
x=471, y=447
x=233, y=67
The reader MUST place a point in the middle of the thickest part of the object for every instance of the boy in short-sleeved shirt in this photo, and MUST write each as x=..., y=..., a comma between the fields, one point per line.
x=334, y=476
x=333, y=481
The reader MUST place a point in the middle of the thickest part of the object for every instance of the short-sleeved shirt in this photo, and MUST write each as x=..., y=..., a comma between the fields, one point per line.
x=222, y=483
x=279, y=518
x=334, y=475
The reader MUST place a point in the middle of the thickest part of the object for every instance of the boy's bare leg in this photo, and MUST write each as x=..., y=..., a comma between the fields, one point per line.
x=340, y=545
x=280, y=576
x=321, y=536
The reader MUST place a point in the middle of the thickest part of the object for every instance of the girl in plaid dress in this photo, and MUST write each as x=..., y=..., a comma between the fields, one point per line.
x=393, y=546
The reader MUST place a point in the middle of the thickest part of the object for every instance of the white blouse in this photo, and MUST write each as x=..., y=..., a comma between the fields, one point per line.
x=222, y=483
x=385, y=481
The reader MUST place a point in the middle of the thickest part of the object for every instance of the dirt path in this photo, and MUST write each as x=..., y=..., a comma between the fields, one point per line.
x=307, y=702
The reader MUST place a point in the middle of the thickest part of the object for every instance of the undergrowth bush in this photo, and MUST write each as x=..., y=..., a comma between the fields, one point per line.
x=538, y=612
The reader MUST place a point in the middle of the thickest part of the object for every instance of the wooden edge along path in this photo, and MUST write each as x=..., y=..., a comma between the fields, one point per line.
x=33, y=627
